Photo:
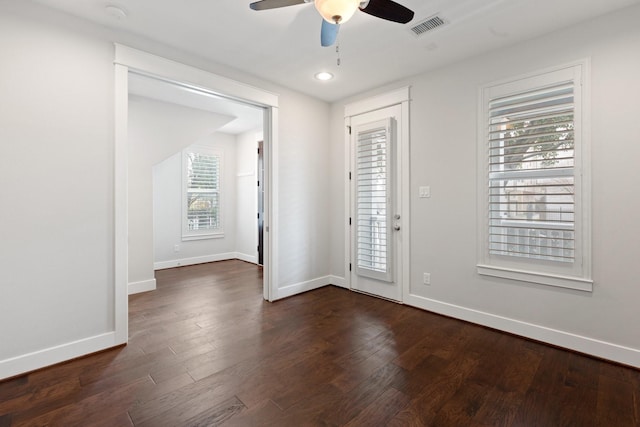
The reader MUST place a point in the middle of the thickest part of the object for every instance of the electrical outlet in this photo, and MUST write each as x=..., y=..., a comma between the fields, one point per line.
x=176, y=248
x=426, y=278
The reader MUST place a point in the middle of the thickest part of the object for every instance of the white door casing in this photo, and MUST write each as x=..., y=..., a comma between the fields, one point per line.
x=377, y=200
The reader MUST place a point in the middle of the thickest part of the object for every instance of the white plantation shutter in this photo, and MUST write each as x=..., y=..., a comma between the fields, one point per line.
x=531, y=174
x=533, y=179
x=373, y=201
x=202, y=193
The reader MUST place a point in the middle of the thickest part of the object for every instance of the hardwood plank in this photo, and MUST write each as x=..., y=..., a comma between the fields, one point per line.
x=90, y=410
x=564, y=391
x=205, y=349
x=356, y=400
x=40, y=396
x=165, y=403
x=462, y=407
x=163, y=388
x=263, y=414
x=381, y=410
x=616, y=406
x=212, y=405
x=5, y=420
x=217, y=414
x=305, y=381
x=13, y=387
x=439, y=388
x=309, y=412
x=499, y=409
x=439, y=330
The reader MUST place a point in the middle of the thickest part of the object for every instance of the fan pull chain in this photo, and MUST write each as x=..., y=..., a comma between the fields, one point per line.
x=338, y=53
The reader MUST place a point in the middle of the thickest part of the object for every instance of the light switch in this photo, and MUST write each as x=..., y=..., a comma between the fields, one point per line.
x=425, y=192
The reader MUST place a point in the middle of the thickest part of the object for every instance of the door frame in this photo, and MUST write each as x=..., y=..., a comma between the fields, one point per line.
x=129, y=59
x=400, y=97
x=260, y=176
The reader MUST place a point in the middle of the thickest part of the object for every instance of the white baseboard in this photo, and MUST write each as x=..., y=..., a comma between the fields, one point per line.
x=61, y=353
x=605, y=350
x=297, y=288
x=338, y=281
x=142, y=286
x=161, y=265
x=248, y=258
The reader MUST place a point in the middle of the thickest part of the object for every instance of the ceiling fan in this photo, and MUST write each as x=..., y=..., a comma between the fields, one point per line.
x=336, y=12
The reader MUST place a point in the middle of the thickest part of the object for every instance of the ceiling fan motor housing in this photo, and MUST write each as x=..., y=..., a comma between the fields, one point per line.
x=337, y=11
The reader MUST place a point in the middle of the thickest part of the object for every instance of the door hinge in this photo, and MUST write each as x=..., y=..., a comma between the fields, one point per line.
x=349, y=176
x=349, y=266
x=258, y=183
x=349, y=220
x=349, y=127
x=258, y=215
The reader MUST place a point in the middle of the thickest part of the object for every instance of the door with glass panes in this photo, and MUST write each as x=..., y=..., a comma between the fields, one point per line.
x=375, y=214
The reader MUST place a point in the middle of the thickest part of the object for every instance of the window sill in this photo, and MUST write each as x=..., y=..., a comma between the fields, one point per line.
x=533, y=277
x=203, y=236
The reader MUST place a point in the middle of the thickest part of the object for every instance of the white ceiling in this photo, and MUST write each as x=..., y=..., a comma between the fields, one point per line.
x=244, y=117
x=283, y=45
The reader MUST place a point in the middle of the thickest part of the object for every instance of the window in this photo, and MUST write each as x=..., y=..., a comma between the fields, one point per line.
x=373, y=200
x=534, y=180
x=201, y=193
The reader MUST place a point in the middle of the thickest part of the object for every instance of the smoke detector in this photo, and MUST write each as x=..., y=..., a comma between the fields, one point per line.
x=116, y=12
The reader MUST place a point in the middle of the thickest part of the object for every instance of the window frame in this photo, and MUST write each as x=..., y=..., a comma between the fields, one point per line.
x=186, y=233
x=573, y=275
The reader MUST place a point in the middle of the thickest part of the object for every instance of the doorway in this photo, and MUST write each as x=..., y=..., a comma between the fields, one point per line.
x=375, y=204
x=131, y=60
x=378, y=206
x=201, y=150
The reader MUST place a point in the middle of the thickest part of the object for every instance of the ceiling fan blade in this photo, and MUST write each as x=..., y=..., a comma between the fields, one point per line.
x=274, y=4
x=328, y=33
x=389, y=10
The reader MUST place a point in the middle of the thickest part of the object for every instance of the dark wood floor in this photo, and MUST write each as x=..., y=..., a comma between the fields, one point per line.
x=206, y=350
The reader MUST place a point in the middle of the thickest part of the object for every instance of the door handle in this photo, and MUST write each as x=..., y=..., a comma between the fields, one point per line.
x=396, y=227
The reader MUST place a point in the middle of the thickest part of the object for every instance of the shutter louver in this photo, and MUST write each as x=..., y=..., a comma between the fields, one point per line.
x=373, y=225
x=531, y=174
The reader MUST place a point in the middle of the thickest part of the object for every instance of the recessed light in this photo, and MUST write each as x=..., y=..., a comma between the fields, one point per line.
x=324, y=76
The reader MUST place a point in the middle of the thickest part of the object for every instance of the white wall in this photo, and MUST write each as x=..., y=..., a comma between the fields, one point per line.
x=443, y=228
x=167, y=208
x=56, y=128
x=305, y=194
x=247, y=195
x=56, y=185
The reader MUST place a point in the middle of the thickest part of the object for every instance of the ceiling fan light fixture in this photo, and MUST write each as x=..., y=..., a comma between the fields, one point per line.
x=337, y=11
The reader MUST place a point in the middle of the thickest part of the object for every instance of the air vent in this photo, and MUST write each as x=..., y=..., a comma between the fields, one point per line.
x=427, y=25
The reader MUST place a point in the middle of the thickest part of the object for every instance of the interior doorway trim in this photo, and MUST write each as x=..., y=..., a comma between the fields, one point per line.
x=132, y=60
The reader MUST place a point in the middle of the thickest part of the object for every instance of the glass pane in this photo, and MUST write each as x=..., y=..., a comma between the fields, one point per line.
x=372, y=222
x=203, y=183
x=531, y=182
x=203, y=211
x=203, y=171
